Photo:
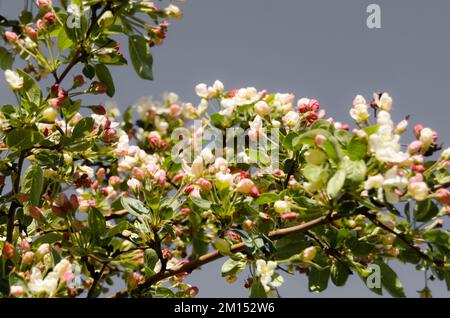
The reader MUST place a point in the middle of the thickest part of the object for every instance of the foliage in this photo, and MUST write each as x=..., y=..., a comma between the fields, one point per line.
x=95, y=197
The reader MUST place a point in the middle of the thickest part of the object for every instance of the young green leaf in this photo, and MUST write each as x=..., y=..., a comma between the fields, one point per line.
x=32, y=183
x=336, y=183
x=141, y=56
x=105, y=77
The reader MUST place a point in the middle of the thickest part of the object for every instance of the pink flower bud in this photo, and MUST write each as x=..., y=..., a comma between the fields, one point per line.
x=415, y=146
x=55, y=103
x=31, y=33
x=11, y=37
x=8, y=250
x=186, y=211
x=35, y=213
x=417, y=129
x=62, y=94
x=247, y=225
x=290, y=216
x=40, y=25
x=74, y=202
x=401, y=126
x=418, y=168
x=98, y=88
x=44, y=4
x=100, y=174
x=319, y=139
x=192, y=291
x=113, y=180
x=245, y=186
x=16, y=290
x=58, y=211
x=134, y=184
x=443, y=196
x=204, y=184
x=25, y=246
x=49, y=17
x=254, y=193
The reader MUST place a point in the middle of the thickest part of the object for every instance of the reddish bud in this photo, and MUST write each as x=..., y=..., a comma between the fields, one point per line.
x=36, y=213
x=49, y=17
x=290, y=216
x=443, y=196
x=8, y=250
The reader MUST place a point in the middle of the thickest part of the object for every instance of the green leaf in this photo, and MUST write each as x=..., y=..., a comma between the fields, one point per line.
x=425, y=210
x=133, y=206
x=223, y=246
x=339, y=273
x=105, y=77
x=119, y=228
x=89, y=71
x=22, y=138
x=70, y=108
x=96, y=221
x=336, y=183
x=83, y=128
x=201, y=203
x=31, y=90
x=289, y=245
x=257, y=290
x=355, y=171
x=63, y=41
x=357, y=148
x=318, y=279
x=150, y=258
x=6, y=59
x=267, y=197
x=141, y=56
x=390, y=280
x=48, y=238
x=233, y=267
x=32, y=183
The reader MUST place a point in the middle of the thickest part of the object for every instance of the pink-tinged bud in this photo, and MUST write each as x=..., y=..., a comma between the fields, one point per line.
x=22, y=197
x=302, y=108
x=248, y=225
x=308, y=254
x=435, y=136
x=74, y=202
x=245, y=186
x=192, y=292
x=27, y=258
x=16, y=290
x=44, y=4
x=319, y=139
x=418, y=190
x=254, y=193
x=62, y=94
x=8, y=250
x=278, y=172
x=290, y=216
x=134, y=279
x=417, y=129
x=154, y=138
x=166, y=254
x=25, y=246
x=401, y=126
x=234, y=236
x=101, y=172
x=415, y=147
x=54, y=89
x=78, y=81
x=345, y=127
x=63, y=201
x=321, y=114
x=264, y=216
x=49, y=17
x=314, y=105
x=189, y=188
x=204, y=184
x=109, y=134
x=31, y=33
x=418, y=168
x=36, y=213
x=58, y=211
x=113, y=180
x=55, y=103
x=138, y=173
x=11, y=37
x=443, y=196
x=186, y=211
x=40, y=25
x=134, y=184
x=243, y=175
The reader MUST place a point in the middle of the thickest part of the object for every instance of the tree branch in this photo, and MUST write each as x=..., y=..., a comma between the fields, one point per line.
x=14, y=205
x=214, y=255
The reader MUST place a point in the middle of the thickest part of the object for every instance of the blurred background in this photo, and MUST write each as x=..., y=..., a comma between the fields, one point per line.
x=320, y=49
